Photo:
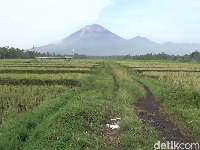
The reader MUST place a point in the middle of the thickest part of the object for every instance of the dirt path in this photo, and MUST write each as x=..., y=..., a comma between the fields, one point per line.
x=148, y=111
x=114, y=79
x=116, y=84
x=111, y=137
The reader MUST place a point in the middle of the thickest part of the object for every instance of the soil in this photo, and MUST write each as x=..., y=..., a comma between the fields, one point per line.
x=116, y=84
x=114, y=79
x=45, y=71
x=28, y=82
x=47, y=66
x=111, y=137
x=148, y=111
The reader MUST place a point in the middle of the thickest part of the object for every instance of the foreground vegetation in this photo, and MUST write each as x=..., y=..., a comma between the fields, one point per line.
x=25, y=85
x=66, y=105
x=76, y=116
x=176, y=87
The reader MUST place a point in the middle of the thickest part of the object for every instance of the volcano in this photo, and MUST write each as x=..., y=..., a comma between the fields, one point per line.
x=95, y=40
x=90, y=40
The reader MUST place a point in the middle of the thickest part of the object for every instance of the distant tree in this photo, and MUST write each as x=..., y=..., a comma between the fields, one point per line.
x=195, y=55
x=77, y=56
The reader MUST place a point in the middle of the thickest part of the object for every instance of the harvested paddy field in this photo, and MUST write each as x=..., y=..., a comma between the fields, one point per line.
x=69, y=104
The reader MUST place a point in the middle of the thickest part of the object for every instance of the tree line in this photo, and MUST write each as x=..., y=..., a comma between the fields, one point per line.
x=194, y=56
x=16, y=53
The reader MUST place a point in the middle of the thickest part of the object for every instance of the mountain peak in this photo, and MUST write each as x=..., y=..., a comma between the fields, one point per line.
x=96, y=40
x=139, y=39
x=94, y=28
x=89, y=31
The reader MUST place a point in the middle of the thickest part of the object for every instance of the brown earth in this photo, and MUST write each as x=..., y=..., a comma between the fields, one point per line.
x=148, y=111
x=111, y=137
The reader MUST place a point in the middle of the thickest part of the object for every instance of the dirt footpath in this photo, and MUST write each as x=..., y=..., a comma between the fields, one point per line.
x=148, y=111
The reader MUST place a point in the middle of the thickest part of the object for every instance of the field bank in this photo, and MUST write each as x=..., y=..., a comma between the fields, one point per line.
x=66, y=105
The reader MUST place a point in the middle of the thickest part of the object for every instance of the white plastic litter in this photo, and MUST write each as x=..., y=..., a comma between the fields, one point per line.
x=115, y=126
x=114, y=123
x=112, y=119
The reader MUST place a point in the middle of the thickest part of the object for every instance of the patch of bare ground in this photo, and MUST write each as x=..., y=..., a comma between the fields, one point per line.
x=148, y=111
x=115, y=81
x=111, y=137
x=116, y=84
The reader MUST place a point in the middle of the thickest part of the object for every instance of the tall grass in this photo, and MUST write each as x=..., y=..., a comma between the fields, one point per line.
x=177, y=92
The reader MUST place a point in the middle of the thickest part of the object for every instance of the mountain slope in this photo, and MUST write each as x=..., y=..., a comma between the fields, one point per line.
x=96, y=40
x=146, y=46
x=91, y=40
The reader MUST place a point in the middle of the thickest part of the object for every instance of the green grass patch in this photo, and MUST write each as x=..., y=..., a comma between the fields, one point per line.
x=182, y=105
x=77, y=118
x=73, y=120
x=134, y=135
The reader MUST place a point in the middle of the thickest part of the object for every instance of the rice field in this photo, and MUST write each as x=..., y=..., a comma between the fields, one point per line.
x=178, y=75
x=176, y=87
x=25, y=84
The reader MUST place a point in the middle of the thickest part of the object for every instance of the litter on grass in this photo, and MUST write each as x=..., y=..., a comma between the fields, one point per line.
x=114, y=123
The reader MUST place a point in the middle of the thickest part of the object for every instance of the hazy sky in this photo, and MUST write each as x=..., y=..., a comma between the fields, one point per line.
x=24, y=23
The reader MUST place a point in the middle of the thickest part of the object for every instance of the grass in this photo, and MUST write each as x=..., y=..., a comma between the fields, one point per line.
x=24, y=91
x=178, y=99
x=77, y=118
x=68, y=121
x=135, y=136
x=181, y=80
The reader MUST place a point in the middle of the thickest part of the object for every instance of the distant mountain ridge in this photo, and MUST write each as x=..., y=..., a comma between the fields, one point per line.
x=96, y=40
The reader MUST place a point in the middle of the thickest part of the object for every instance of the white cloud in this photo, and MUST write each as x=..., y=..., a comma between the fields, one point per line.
x=39, y=22
x=180, y=4
x=24, y=23
x=161, y=21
